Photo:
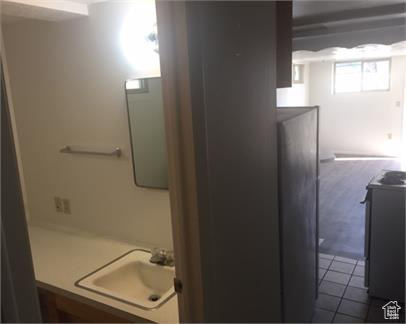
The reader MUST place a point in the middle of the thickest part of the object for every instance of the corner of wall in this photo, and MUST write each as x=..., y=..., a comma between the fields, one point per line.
x=14, y=127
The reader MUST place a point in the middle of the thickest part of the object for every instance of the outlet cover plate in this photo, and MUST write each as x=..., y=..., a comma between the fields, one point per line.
x=66, y=206
x=58, y=204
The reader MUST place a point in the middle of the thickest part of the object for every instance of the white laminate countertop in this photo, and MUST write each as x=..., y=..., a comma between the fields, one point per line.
x=61, y=257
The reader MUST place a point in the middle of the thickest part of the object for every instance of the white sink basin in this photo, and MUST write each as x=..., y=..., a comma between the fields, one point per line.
x=132, y=279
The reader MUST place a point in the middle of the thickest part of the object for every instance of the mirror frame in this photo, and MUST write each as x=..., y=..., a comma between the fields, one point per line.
x=131, y=135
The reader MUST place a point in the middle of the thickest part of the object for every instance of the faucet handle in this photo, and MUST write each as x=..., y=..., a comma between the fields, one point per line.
x=170, y=258
x=162, y=257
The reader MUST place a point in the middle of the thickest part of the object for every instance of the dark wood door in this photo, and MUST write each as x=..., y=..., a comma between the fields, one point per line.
x=232, y=48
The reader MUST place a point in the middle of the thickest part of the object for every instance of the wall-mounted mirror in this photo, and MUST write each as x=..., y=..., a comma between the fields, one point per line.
x=147, y=132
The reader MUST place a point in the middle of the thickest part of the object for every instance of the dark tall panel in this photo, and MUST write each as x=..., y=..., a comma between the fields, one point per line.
x=284, y=21
x=298, y=168
x=19, y=301
x=233, y=79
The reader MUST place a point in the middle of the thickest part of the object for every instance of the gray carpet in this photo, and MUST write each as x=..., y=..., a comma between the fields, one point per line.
x=342, y=219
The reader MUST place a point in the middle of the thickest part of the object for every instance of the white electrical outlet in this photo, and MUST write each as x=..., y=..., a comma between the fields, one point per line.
x=66, y=206
x=58, y=204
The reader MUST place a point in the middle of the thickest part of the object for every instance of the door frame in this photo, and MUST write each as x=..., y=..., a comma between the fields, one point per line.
x=174, y=59
x=403, y=126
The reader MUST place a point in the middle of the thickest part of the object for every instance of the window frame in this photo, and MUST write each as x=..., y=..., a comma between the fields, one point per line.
x=142, y=89
x=362, y=61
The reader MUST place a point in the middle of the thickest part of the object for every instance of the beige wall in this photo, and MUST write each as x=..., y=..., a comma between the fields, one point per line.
x=67, y=82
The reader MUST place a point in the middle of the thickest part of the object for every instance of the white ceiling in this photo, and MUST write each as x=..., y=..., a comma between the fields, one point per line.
x=359, y=52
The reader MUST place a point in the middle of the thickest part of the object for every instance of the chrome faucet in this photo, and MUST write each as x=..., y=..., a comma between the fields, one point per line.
x=162, y=257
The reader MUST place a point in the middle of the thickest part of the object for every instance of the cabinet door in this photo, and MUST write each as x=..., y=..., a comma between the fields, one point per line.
x=233, y=80
x=387, y=245
x=284, y=44
x=56, y=308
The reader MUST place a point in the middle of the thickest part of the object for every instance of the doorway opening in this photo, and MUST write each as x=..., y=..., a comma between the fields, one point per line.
x=361, y=95
x=360, y=92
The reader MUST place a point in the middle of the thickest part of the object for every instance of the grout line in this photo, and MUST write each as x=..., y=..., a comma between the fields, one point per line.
x=322, y=257
x=330, y=295
x=345, y=290
x=352, y=274
x=356, y=260
x=346, y=273
x=342, y=297
x=356, y=301
x=340, y=271
x=334, y=260
x=322, y=277
x=326, y=309
x=368, y=306
x=337, y=283
x=362, y=319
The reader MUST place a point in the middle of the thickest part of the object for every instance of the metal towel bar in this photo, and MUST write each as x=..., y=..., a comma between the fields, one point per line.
x=68, y=149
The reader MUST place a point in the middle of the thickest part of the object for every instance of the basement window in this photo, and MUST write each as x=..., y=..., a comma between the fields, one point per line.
x=359, y=76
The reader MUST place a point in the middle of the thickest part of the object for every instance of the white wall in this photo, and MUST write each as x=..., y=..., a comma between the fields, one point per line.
x=67, y=81
x=358, y=123
x=297, y=95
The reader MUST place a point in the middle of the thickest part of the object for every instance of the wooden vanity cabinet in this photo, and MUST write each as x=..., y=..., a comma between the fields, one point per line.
x=56, y=308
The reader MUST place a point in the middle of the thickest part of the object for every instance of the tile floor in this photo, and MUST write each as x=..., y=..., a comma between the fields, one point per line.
x=343, y=298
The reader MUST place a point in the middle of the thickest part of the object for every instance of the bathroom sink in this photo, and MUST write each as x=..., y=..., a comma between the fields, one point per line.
x=132, y=279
